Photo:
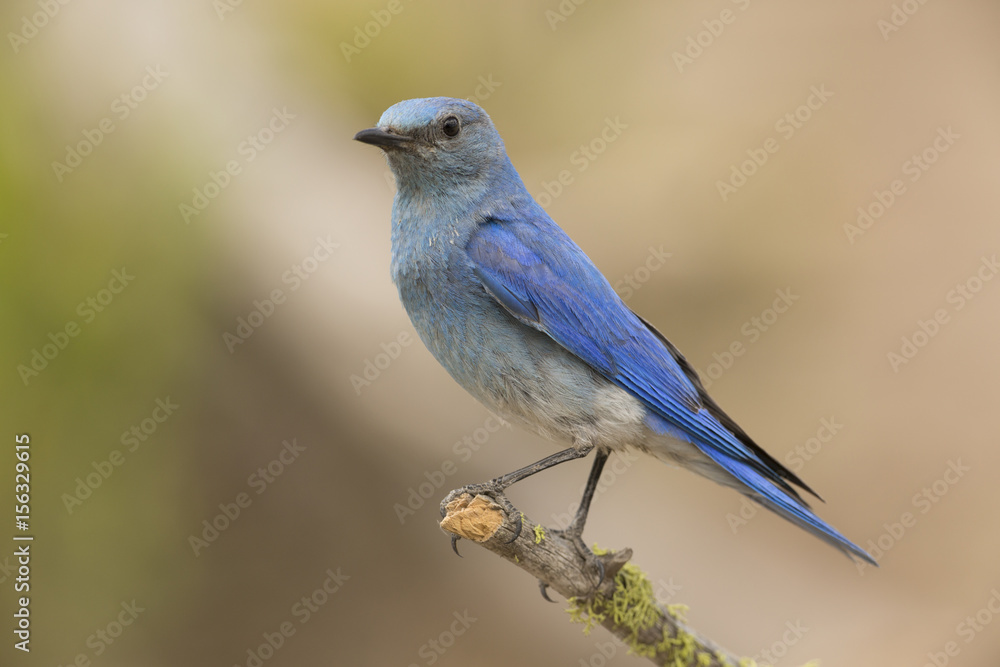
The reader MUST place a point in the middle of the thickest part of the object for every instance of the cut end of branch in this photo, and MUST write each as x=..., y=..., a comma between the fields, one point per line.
x=475, y=519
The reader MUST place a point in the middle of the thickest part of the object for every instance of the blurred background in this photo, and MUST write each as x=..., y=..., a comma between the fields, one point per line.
x=238, y=443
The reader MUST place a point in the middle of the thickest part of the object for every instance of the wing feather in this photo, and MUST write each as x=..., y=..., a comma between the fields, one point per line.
x=544, y=280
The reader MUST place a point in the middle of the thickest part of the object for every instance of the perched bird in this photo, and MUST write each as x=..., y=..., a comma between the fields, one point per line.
x=524, y=321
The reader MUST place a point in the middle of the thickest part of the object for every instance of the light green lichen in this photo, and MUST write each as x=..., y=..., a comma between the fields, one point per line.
x=539, y=534
x=633, y=607
x=723, y=660
x=678, y=611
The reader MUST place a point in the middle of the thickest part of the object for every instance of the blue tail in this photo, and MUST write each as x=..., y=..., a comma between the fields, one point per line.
x=794, y=509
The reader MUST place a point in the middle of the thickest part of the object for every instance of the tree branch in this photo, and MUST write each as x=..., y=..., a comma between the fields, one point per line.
x=624, y=603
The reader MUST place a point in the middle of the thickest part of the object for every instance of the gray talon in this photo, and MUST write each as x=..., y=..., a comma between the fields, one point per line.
x=544, y=588
x=517, y=530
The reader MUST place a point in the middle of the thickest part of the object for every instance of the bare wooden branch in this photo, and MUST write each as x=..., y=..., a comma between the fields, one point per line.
x=624, y=603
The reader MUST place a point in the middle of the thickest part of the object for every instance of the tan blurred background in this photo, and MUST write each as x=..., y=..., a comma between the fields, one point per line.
x=905, y=454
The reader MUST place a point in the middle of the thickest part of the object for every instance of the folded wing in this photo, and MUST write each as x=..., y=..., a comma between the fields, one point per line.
x=542, y=278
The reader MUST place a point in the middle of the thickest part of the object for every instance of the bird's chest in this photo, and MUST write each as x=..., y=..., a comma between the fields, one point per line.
x=459, y=323
x=494, y=357
x=514, y=370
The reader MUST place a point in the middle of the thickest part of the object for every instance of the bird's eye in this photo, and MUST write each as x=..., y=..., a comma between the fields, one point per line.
x=451, y=126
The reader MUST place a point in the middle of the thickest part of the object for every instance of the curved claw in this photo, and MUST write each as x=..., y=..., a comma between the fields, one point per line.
x=517, y=530
x=454, y=547
x=544, y=588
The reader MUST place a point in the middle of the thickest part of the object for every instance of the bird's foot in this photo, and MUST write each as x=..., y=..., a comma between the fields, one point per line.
x=495, y=492
x=592, y=560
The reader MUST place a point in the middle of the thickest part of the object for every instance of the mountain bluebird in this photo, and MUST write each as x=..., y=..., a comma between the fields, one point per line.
x=523, y=320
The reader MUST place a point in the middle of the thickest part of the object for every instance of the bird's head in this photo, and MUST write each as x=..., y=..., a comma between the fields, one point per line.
x=438, y=142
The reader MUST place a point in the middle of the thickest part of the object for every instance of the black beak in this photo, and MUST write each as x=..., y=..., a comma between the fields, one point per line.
x=376, y=136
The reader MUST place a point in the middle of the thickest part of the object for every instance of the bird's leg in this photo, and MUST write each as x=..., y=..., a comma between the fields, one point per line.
x=574, y=532
x=576, y=527
x=495, y=487
x=538, y=466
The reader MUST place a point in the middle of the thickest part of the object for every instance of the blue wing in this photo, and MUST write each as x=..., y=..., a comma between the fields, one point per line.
x=544, y=279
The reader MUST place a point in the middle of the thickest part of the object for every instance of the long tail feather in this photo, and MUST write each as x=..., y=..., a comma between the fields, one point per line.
x=770, y=496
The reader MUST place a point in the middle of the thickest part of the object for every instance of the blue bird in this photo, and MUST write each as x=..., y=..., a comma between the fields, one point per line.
x=524, y=321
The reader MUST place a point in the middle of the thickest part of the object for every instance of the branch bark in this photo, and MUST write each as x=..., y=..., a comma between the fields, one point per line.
x=624, y=602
